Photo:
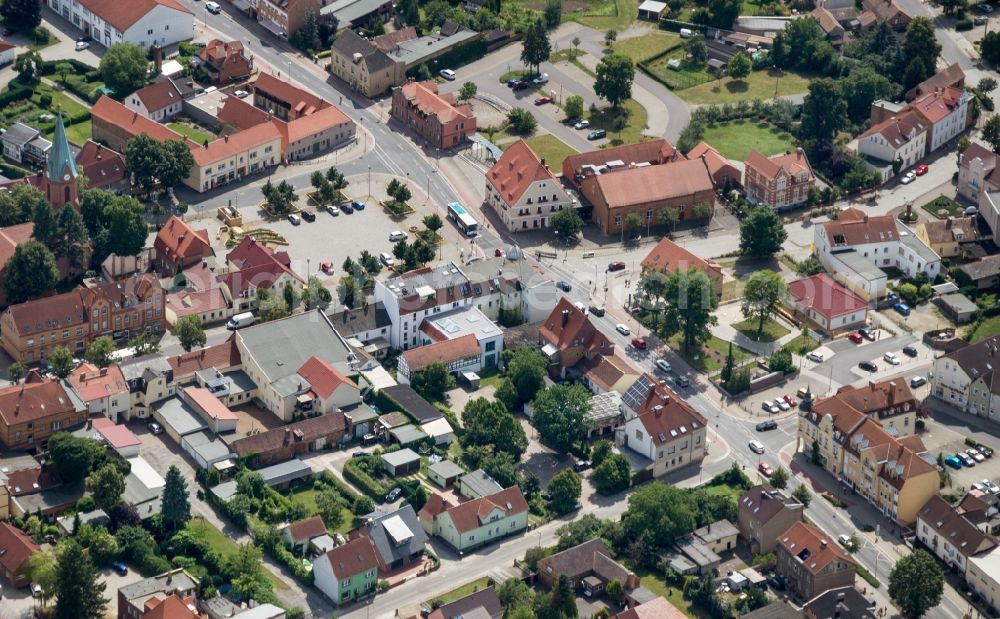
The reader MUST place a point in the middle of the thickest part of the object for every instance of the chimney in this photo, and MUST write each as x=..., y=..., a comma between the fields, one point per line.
x=288, y=437
x=948, y=223
x=565, y=318
x=822, y=544
x=892, y=393
x=157, y=57
x=658, y=409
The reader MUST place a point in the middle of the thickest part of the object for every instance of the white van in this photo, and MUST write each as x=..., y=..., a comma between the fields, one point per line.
x=213, y=8
x=241, y=320
x=448, y=74
x=686, y=33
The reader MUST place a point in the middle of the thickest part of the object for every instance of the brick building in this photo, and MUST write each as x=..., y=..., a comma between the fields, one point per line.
x=225, y=61
x=35, y=410
x=436, y=117
x=781, y=182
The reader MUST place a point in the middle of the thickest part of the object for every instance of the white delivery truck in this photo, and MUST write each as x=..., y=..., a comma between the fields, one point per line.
x=241, y=320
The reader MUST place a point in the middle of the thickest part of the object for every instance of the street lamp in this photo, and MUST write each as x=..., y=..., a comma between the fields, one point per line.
x=369, y=181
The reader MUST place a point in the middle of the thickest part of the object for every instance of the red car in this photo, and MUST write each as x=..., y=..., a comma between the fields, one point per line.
x=617, y=265
x=855, y=337
x=327, y=268
x=519, y=85
x=791, y=401
x=920, y=170
x=498, y=252
x=543, y=100
x=765, y=469
x=639, y=343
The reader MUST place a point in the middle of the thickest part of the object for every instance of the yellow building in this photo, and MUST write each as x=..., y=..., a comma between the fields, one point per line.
x=946, y=236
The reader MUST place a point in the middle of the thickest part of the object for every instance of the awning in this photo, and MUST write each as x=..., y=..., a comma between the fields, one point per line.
x=273, y=26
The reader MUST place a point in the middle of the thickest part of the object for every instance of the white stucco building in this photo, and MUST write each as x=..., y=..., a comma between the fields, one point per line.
x=522, y=190
x=902, y=137
x=143, y=22
x=947, y=112
x=969, y=378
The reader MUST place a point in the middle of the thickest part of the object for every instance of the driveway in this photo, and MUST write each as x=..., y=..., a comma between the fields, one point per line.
x=67, y=34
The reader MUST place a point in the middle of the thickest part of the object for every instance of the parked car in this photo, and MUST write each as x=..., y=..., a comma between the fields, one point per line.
x=953, y=461
x=564, y=285
x=154, y=427
x=309, y=216
x=812, y=355
x=868, y=366
x=295, y=219
x=358, y=205
x=975, y=455
x=855, y=337
x=910, y=350
x=597, y=134
x=777, y=582
x=242, y=94
x=802, y=391
x=581, y=124
x=541, y=79
x=770, y=407
x=966, y=459
x=844, y=540
x=979, y=20
x=519, y=85
x=891, y=358
x=512, y=81
x=396, y=235
x=346, y=208
x=892, y=297
x=393, y=494
x=990, y=486
x=327, y=267
x=917, y=381
x=985, y=7
x=902, y=308
x=386, y=259
x=765, y=469
x=682, y=381
x=333, y=210
x=120, y=568
x=639, y=343
x=764, y=426
x=542, y=100
x=82, y=45
x=867, y=333
x=908, y=178
x=448, y=74
x=920, y=170
x=617, y=265
x=791, y=401
x=664, y=366
x=581, y=465
x=213, y=8
x=596, y=310
x=620, y=328
x=756, y=446
x=781, y=404
x=986, y=451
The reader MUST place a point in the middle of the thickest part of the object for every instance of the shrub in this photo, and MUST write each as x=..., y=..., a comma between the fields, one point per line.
x=365, y=482
x=345, y=491
x=963, y=24
x=41, y=35
x=85, y=504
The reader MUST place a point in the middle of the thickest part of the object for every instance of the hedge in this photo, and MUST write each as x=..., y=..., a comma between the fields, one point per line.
x=293, y=563
x=365, y=482
x=48, y=67
x=12, y=171
x=345, y=491
x=674, y=25
x=16, y=92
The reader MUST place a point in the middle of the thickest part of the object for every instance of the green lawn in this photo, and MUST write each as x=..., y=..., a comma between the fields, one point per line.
x=466, y=589
x=802, y=344
x=712, y=355
x=551, y=149
x=223, y=545
x=573, y=57
x=604, y=119
x=195, y=134
x=514, y=75
x=736, y=139
x=53, y=39
x=77, y=133
x=772, y=330
x=490, y=377
x=655, y=583
x=307, y=498
x=646, y=46
x=759, y=85
x=943, y=203
x=617, y=14
x=688, y=75
x=985, y=329
x=60, y=101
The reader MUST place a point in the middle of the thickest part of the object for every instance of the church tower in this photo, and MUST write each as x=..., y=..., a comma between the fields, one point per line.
x=59, y=180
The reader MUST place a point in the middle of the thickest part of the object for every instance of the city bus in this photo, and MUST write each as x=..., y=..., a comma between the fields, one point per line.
x=463, y=219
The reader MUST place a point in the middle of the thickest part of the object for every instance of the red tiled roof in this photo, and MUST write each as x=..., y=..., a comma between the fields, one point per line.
x=655, y=152
x=792, y=164
x=227, y=146
x=114, y=113
x=123, y=15
x=101, y=165
x=658, y=608
x=825, y=296
x=307, y=430
x=607, y=371
x=667, y=417
x=473, y=514
x=172, y=607
x=444, y=351
x=898, y=130
x=300, y=101
x=92, y=383
x=355, y=557
x=33, y=400
x=189, y=302
x=242, y=115
x=952, y=76
x=217, y=50
x=516, y=170
x=323, y=377
x=877, y=396
x=305, y=530
x=826, y=20
x=209, y=404
x=944, y=230
x=854, y=227
x=935, y=106
x=577, y=330
x=820, y=549
x=668, y=257
x=424, y=97
x=221, y=357
x=117, y=435
x=623, y=188
x=4, y=46
x=949, y=523
x=713, y=158
x=436, y=504
x=12, y=236
x=15, y=548
x=158, y=95
x=388, y=41
x=317, y=122
x=180, y=242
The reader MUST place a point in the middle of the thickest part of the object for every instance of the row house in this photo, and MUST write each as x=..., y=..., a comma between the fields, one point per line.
x=234, y=157
x=142, y=22
x=434, y=116
x=523, y=191
x=812, y=562
x=662, y=427
x=956, y=533
x=902, y=138
x=969, y=378
x=781, y=182
x=30, y=330
x=285, y=17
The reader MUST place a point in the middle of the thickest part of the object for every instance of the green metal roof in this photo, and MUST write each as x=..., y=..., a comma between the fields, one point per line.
x=60, y=158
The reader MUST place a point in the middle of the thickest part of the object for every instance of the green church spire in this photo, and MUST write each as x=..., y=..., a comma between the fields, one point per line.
x=61, y=166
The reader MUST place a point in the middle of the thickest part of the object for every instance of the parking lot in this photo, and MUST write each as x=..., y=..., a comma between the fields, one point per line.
x=946, y=435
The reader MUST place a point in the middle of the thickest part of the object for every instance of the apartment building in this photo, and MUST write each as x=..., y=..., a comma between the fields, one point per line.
x=413, y=296
x=901, y=138
x=36, y=409
x=662, y=427
x=765, y=514
x=143, y=22
x=812, y=562
x=956, y=533
x=781, y=182
x=523, y=191
x=285, y=17
x=969, y=378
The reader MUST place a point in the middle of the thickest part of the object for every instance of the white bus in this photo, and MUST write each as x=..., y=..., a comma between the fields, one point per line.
x=465, y=221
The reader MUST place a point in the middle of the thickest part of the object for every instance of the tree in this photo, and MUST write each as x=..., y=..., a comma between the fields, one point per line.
x=862, y=86
x=123, y=68
x=330, y=507
x=362, y=506
x=553, y=13
x=411, y=12
x=696, y=49
x=565, y=487
x=729, y=366
x=488, y=423
x=739, y=66
x=190, y=332
x=763, y=293
x=613, y=83
x=567, y=223
x=761, y=233
x=615, y=590
x=272, y=308
x=16, y=372
x=176, y=506
x=143, y=155
x=690, y=305
x=599, y=451
x=522, y=122
x=101, y=351
x=989, y=48
x=536, y=47
x=610, y=37
x=920, y=43
x=21, y=15
x=434, y=381
x=306, y=37
x=315, y=295
x=31, y=271
x=502, y=467
x=468, y=90
x=823, y=111
x=613, y=474
x=515, y=594
x=349, y=292
x=144, y=344
x=43, y=570
x=80, y=594
x=658, y=512
x=73, y=456
x=558, y=413
x=779, y=478
x=175, y=164
x=106, y=484
x=573, y=107
x=991, y=132
x=803, y=45
x=916, y=583
x=526, y=370
x=803, y=495
x=431, y=222
x=61, y=360
x=26, y=65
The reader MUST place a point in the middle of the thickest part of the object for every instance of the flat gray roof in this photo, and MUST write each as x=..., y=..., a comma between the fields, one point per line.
x=178, y=415
x=347, y=11
x=210, y=102
x=465, y=320
x=718, y=530
x=908, y=238
x=401, y=457
x=480, y=483
x=173, y=580
x=408, y=434
x=860, y=265
x=446, y=469
x=285, y=471
x=209, y=448
x=225, y=491
x=282, y=346
x=959, y=302
x=361, y=413
x=238, y=381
